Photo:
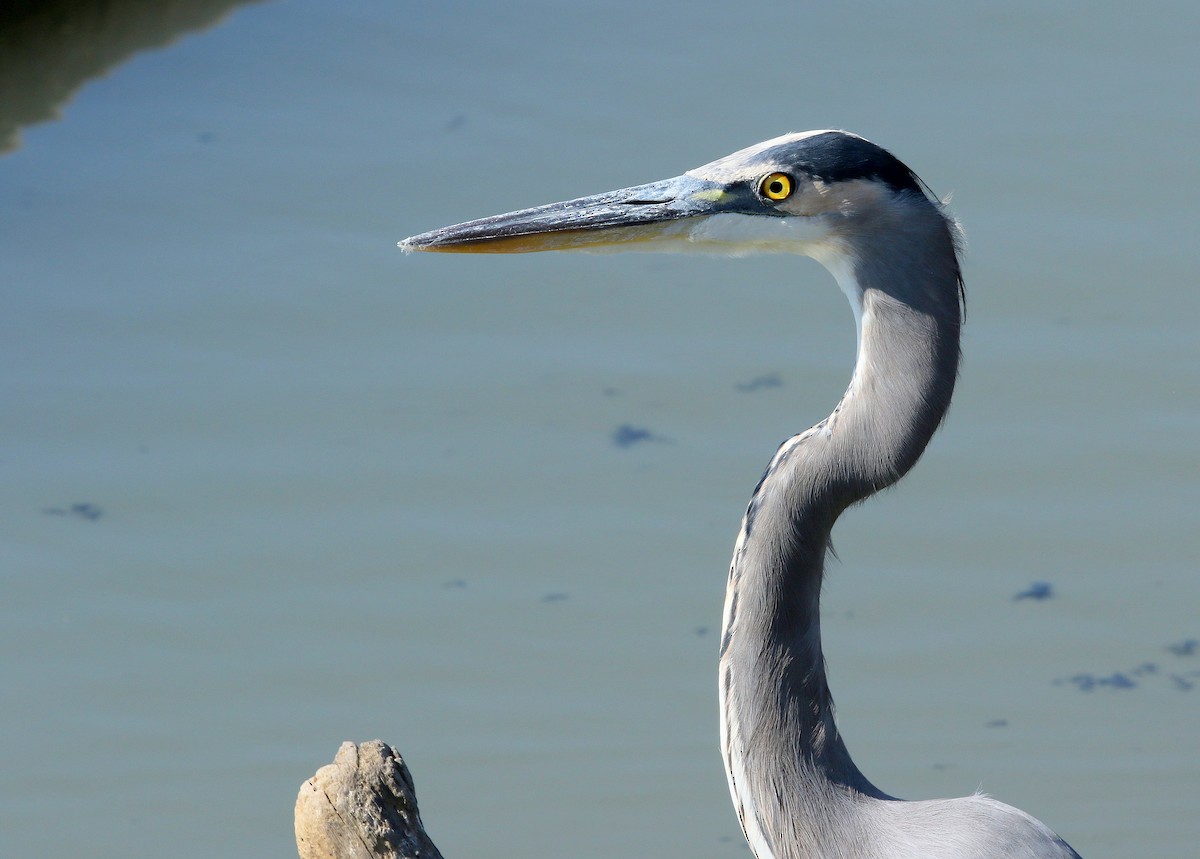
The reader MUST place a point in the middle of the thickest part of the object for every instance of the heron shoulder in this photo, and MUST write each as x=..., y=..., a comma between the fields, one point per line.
x=977, y=826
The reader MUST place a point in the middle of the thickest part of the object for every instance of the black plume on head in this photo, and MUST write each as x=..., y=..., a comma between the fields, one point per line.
x=834, y=156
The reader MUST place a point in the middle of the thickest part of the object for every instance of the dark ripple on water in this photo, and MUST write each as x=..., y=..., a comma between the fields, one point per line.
x=1143, y=674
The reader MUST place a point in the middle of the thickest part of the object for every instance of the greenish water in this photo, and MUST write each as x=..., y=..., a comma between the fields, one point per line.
x=266, y=484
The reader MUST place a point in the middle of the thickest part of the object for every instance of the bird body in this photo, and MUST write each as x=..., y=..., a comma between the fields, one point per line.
x=867, y=218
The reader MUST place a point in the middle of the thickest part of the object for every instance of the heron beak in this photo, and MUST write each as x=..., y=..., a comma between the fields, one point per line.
x=644, y=214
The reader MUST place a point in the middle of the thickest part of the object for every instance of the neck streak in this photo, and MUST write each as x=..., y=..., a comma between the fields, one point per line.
x=790, y=774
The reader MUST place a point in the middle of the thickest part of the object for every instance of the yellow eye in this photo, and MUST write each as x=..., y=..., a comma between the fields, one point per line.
x=776, y=186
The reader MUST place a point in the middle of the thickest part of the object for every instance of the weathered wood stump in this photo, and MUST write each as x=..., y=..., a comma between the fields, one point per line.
x=362, y=806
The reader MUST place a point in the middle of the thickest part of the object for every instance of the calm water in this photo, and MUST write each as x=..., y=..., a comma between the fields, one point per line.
x=266, y=484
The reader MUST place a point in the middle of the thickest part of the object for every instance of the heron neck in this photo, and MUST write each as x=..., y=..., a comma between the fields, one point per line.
x=788, y=766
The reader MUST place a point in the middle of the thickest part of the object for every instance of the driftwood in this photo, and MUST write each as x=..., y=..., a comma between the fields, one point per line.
x=362, y=806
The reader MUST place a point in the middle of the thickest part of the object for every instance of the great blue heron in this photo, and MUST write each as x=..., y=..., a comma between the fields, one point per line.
x=868, y=219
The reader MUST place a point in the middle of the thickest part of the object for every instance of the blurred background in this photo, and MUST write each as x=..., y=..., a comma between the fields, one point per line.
x=266, y=484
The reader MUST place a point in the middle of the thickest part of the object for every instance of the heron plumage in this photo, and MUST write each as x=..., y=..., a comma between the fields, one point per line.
x=868, y=218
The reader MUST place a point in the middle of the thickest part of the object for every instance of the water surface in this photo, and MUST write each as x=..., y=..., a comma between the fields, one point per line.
x=268, y=485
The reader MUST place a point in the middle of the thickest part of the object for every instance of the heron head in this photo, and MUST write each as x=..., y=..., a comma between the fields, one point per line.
x=807, y=193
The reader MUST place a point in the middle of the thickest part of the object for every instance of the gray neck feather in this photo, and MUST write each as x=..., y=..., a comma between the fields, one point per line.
x=791, y=776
